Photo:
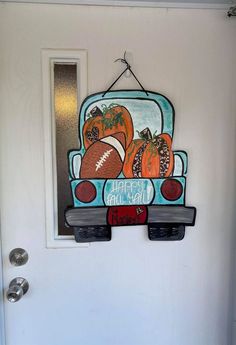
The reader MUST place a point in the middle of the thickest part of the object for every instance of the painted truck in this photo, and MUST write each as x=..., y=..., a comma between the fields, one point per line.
x=125, y=172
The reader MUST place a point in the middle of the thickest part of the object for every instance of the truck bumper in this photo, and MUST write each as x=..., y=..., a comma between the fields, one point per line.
x=164, y=222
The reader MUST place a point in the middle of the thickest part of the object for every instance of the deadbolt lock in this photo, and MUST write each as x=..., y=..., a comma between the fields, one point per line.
x=18, y=257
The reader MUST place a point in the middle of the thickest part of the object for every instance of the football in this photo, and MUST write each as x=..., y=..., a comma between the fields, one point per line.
x=104, y=158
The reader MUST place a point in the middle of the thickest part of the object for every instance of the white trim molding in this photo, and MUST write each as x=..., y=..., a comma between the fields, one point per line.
x=201, y=4
x=49, y=56
x=2, y=297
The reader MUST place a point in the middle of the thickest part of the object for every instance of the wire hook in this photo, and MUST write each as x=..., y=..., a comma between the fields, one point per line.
x=124, y=61
x=128, y=68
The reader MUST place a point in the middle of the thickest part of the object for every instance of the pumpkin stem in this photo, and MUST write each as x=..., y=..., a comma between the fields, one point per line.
x=155, y=135
x=96, y=112
x=145, y=134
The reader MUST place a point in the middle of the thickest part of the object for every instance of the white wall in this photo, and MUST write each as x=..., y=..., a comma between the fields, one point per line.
x=134, y=291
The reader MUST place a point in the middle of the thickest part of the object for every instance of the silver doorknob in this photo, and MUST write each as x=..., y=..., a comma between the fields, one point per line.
x=17, y=288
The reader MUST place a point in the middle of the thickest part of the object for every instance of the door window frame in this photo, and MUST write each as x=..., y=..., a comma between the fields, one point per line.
x=49, y=57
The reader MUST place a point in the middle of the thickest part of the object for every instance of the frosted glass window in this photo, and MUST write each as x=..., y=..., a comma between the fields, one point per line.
x=66, y=133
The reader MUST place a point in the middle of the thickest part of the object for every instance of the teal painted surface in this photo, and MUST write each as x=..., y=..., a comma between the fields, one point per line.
x=128, y=192
x=70, y=162
x=184, y=158
x=74, y=159
x=160, y=200
x=180, y=163
x=98, y=201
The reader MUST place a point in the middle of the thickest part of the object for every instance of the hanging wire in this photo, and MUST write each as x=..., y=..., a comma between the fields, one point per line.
x=232, y=11
x=128, y=68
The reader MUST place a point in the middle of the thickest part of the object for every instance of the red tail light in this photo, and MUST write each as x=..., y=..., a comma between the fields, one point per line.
x=85, y=191
x=171, y=189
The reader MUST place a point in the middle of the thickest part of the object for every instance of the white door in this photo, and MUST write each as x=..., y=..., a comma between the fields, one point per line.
x=129, y=291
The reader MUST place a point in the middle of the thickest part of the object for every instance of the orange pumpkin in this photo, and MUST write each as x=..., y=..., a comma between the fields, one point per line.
x=149, y=156
x=111, y=120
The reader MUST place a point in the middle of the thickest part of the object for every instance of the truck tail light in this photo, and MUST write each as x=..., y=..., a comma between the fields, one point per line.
x=85, y=191
x=171, y=189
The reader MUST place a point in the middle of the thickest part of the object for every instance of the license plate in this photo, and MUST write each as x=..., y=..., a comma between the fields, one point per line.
x=127, y=215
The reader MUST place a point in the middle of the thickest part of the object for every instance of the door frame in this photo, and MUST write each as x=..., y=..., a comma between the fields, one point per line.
x=2, y=297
